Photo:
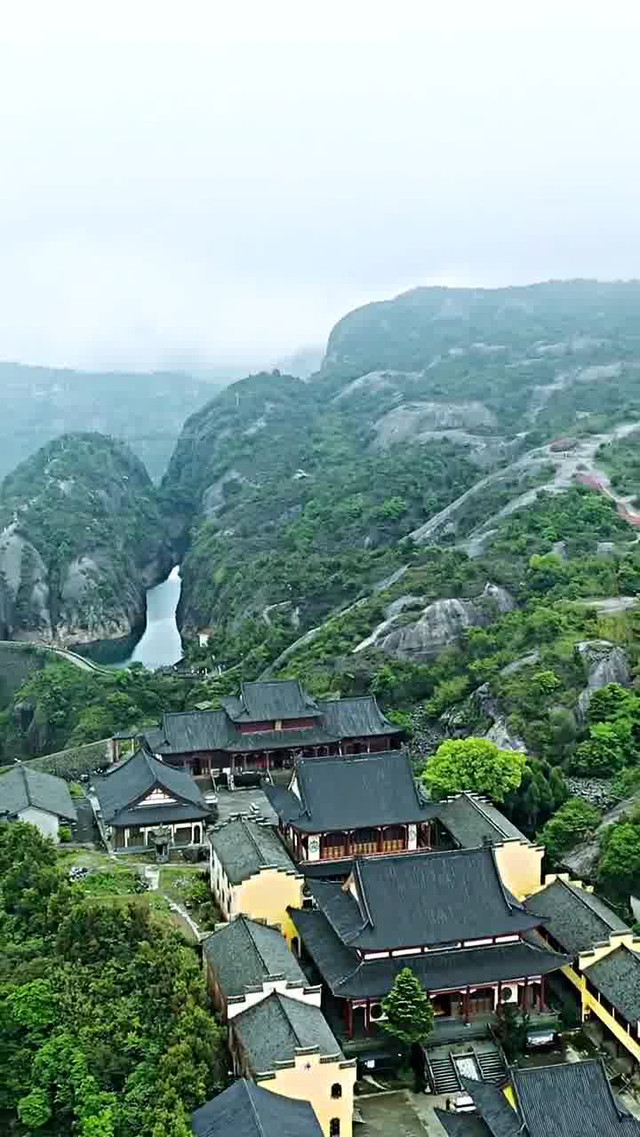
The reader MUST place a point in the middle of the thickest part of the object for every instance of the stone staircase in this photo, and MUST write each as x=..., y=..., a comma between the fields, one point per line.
x=446, y=1068
x=492, y=1065
x=444, y=1077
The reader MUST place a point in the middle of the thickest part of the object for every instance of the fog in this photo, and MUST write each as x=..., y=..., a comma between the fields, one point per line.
x=186, y=188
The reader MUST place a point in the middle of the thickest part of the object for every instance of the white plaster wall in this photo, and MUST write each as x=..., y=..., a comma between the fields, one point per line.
x=47, y=823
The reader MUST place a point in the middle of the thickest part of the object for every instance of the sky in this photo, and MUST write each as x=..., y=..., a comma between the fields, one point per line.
x=198, y=185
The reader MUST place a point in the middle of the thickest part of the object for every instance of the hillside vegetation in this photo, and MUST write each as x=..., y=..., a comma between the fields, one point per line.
x=81, y=536
x=296, y=499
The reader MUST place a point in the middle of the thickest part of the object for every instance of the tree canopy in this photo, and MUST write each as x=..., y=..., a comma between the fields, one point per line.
x=474, y=764
x=574, y=821
x=408, y=1009
x=105, y=1027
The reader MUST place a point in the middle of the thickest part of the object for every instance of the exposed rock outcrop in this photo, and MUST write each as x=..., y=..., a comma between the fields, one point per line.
x=481, y=714
x=81, y=539
x=443, y=622
x=604, y=663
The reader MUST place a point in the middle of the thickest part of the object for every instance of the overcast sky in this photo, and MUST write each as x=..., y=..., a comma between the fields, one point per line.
x=180, y=187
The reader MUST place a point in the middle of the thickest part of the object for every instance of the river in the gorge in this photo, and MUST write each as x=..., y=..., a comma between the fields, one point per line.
x=160, y=644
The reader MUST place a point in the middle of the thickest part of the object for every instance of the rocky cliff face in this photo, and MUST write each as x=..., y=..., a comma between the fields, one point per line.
x=604, y=662
x=81, y=538
x=437, y=625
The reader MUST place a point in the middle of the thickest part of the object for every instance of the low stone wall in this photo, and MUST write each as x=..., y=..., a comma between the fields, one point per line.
x=71, y=764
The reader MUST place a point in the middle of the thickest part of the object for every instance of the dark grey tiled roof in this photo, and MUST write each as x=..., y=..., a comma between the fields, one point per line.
x=494, y=1109
x=246, y=1110
x=186, y=731
x=273, y=699
x=355, y=718
x=120, y=788
x=271, y=1031
x=160, y=815
x=617, y=977
x=244, y=847
x=348, y=977
x=21, y=788
x=245, y=953
x=406, y=900
x=201, y=731
x=351, y=793
x=575, y=918
x=471, y=821
x=570, y=1100
x=462, y=1124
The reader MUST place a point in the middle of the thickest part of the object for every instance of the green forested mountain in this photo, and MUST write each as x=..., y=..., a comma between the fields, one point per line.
x=80, y=538
x=304, y=495
x=39, y=403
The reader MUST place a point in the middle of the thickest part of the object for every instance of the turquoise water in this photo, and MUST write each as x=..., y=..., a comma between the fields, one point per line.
x=160, y=644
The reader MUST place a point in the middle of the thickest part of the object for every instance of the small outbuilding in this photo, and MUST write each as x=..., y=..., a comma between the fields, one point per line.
x=141, y=795
x=41, y=799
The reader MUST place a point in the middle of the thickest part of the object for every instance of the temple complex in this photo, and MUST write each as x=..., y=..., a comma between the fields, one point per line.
x=268, y=726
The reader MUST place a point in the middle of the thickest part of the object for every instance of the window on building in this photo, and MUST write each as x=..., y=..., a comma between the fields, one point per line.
x=336, y=1090
x=334, y=1127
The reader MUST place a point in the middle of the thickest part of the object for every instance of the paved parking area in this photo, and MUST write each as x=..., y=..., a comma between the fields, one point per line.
x=400, y=1114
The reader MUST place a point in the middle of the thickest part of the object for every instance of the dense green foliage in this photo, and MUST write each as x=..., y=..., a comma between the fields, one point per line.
x=105, y=1027
x=408, y=1009
x=71, y=707
x=87, y=508
x=621, y=460
x=619, y=863
x=572, y=823
x=474, y=764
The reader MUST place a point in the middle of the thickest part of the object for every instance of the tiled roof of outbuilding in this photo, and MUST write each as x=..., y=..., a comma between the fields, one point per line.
x=245, y=953
x=462, y=1124
x=494, y=1109
x=360, y=717
x=21, y=788
x=272, y=1030
x=120, y=788
x=572, y=1099
x=247, y=1110
x=471, y=820
x=617, y=977
x=244, y=847
x=186, y=731
x=575, y=918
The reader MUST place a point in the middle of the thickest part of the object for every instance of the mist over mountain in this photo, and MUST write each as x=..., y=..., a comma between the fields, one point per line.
x=148, y=409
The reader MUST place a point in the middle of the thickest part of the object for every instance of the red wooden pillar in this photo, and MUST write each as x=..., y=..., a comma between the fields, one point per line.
x=348, y=842
x=466, y=1005
x=380, y=839
x=525, y=997
x=543, y=1005
x=499, y=1004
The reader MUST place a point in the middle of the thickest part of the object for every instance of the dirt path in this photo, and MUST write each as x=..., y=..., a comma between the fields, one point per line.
x=570, y=466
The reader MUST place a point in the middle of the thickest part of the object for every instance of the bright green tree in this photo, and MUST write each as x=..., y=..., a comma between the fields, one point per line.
x=574, y=821
x=474, y=764
x=619, y=866
x=408, y=1009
